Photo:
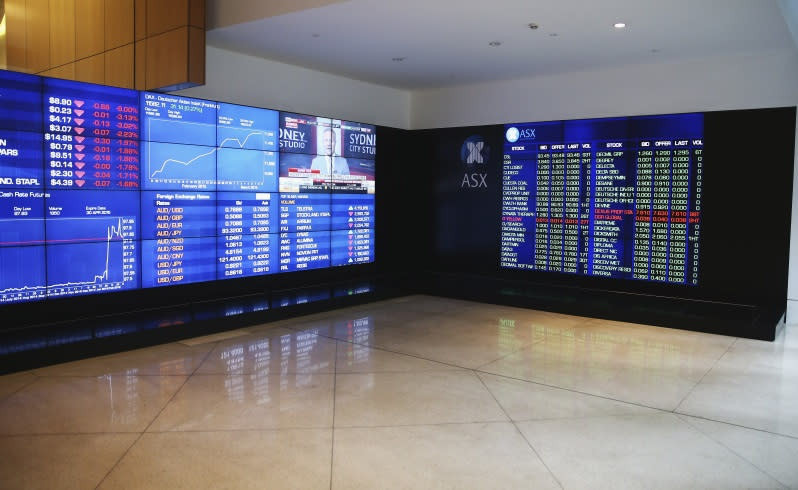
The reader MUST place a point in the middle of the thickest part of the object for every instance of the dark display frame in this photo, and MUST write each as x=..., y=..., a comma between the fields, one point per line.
x=465, y=227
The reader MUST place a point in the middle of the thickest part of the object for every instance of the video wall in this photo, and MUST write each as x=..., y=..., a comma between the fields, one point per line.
x=694, y=205
x=613, y=197
x=106, y=189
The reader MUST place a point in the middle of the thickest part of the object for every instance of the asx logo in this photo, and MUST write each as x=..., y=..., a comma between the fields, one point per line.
x=514, y=134
x=474, y=152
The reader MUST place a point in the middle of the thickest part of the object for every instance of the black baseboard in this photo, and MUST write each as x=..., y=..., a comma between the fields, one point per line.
x=737, y=320
x=33, y=347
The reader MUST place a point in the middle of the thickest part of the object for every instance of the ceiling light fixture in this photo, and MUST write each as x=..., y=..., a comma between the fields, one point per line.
x=495, y=43
x=553, y=34
x=619, y=25
x=315, y=35
x=533, y=26
x=399, y=58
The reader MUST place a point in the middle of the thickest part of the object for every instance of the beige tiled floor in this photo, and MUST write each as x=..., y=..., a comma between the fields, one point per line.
x=415, y=392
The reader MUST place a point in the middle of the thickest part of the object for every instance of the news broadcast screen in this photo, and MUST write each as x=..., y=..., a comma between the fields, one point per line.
x=326, y=155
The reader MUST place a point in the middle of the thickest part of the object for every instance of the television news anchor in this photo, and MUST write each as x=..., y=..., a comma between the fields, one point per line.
x=329, y=163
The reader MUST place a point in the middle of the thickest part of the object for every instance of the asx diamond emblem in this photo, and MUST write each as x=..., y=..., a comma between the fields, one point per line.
x=474, y=151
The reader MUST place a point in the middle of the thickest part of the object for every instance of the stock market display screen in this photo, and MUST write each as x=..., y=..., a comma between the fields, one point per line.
x=616, y=197
x=107, y=189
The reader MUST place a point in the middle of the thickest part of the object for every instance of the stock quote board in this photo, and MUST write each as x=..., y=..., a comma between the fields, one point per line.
x=615, y=197
x=107, y=189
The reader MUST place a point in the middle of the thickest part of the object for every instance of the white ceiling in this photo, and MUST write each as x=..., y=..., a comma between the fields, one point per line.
x=445, y=42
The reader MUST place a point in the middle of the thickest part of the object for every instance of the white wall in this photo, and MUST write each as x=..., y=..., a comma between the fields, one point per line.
x=719, y=83
x=790, y=10
x=241, y=79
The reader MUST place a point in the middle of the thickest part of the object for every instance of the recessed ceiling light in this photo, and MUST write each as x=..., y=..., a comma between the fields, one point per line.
x=619, y=25
x=655, y=50
x=495, y=43
x=533, y=26
x=316, y=34
x=399, y=58
x=553, y=34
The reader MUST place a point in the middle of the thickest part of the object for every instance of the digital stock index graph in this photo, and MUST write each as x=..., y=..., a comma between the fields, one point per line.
x=105, y=189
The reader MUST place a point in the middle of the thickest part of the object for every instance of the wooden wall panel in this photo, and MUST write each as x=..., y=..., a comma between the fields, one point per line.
x=89, y=27
x=196, y=14
x=15, y=35
x=64, y=71
x=140, y=67
x=62, y=32
x=119, y=18
x=119, y=67
x=167, y=58
x=91, y=69
x=196, y=56
x=164, y=16
x=140, y=7
x=146, y=44
x=37, y=37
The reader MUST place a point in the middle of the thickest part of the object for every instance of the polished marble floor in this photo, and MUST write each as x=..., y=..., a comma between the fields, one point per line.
x=415, y=392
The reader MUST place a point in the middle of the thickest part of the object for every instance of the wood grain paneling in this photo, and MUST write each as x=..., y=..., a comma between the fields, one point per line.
x=91, y=69
x=140, y=7
x=165, y=16
x=196, y=56
x=167, y=59
x=146, y=44
x=196, y=14
x=119, y=18
x=15, y=35
x=37, y=38
x=119, y=67
x=62, y=32
x=140, y=67
x=64, y=71
x=89, y=27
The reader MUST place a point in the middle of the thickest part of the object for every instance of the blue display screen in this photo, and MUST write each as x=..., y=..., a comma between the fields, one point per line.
x=352, y=247
x=91, y=136
x=352, y=211
x=106, y=189
x=21, y=160
x=616, y=197
x=247, y=231
x=178, y=214
x=246, y=170
x=242, y=127
x=20, y=102
x=304, y=250
x=179, y=167
x=91, y=242
x=171, y=261
x=304, y=212
x=22, y=218
x=174, y=119
x=23, y=277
